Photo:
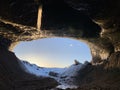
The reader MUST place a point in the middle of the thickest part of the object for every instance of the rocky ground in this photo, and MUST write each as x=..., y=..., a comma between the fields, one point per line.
x=97, y=78
x=91, y=77
x=13, y=76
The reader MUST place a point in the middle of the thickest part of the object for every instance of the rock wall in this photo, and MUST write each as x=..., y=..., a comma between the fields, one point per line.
x=14, y=77
x=96, y=22
x=97, y=25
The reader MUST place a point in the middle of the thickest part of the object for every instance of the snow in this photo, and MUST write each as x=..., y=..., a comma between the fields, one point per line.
x=41, y=71
x=65, y=76
x=63, y=86
x=72, y=70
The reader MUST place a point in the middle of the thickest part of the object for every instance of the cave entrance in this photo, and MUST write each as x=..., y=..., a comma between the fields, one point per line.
x=53, y=52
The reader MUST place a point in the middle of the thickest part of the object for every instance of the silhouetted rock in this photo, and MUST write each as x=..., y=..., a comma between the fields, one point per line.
x=14, y=77
x=76, y=62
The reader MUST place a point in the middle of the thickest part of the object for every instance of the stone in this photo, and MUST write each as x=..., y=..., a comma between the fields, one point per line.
x=53, y=74
x=14, y=77
x=76, y=62
x=96, y=22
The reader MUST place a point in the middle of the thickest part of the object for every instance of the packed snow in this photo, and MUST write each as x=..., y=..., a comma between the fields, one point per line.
x=65, y=76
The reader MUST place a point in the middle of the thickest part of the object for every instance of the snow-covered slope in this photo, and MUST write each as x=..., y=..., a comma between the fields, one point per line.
x=41, y=71
x=65, y=76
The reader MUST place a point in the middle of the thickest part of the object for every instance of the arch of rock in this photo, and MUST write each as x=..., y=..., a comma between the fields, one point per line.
x=96, y=22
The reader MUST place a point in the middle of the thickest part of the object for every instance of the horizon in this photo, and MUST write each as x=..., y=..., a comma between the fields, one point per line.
x=53, y=52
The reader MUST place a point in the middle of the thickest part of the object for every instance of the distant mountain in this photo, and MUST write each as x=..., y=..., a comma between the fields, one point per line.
x=64, y=76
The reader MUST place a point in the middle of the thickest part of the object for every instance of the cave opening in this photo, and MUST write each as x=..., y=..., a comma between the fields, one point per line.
x=53, y=52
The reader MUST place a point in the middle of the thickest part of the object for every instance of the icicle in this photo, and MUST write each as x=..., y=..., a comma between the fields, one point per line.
x=39, y=18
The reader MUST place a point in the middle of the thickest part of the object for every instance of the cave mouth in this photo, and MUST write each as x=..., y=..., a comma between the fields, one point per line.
x=53, y=52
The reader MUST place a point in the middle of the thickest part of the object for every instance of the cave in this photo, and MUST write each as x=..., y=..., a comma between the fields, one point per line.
x=95, y=22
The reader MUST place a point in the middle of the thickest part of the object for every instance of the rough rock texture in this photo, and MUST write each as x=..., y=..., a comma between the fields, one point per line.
x=96, y=22
x=106, y=14
x=114, y=60
x=98, y=78
x=13, y=77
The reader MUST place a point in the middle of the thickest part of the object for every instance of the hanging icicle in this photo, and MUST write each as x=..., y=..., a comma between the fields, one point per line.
x=39, y=17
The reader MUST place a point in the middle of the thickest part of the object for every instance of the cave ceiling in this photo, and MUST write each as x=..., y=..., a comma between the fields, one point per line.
x=95, y=21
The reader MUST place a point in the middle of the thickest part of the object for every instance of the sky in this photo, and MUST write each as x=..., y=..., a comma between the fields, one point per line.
x=53, y=52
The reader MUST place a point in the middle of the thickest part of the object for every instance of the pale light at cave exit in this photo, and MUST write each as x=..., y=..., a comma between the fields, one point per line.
x=39, y=17
x=53, y=52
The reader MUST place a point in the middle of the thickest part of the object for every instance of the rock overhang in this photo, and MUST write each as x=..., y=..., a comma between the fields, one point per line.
x=56, y=16
x=61, y=19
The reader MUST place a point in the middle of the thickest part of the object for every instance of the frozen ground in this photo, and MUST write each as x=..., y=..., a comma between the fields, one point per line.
x=65, y=76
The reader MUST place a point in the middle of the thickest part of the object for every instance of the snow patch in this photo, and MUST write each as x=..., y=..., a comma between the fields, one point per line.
x=65, y=76
x=41, y=71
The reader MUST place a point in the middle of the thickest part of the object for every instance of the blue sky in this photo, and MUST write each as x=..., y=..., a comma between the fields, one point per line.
x=53, y=52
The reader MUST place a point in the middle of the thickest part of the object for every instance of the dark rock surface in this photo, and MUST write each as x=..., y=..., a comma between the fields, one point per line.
x=13, y=76
x=98, y=78
x=96, y=22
